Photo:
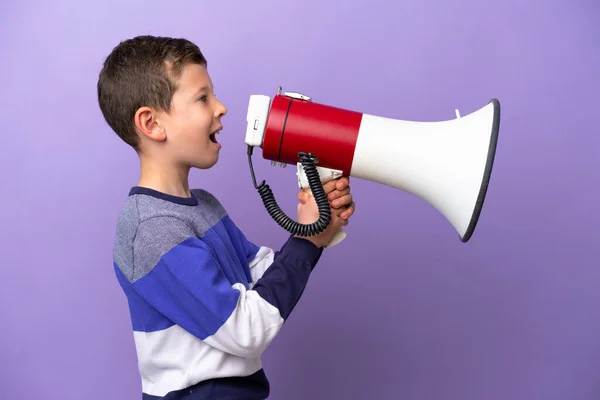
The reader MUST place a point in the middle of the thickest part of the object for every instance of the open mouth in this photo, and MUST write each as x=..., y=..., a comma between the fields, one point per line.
x=213, y=136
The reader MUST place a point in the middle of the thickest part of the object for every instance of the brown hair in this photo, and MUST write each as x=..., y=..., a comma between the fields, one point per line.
x=142, y=71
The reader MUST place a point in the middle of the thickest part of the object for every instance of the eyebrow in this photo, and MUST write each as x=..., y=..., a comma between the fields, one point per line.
x=202, y=89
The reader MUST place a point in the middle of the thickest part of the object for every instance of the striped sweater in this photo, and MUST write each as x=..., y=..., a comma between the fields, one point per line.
x=204, y=301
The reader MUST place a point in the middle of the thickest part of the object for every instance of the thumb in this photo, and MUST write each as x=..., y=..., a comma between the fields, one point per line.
x=306, y=197
x=303, y=197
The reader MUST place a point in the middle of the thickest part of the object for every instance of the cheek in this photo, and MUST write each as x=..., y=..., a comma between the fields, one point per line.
x=200, y=123
x=192, y=126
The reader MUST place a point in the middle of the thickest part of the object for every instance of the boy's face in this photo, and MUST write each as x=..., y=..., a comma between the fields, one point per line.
x=194, y=120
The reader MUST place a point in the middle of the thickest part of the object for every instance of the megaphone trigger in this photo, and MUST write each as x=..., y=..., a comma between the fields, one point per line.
x=325, y=175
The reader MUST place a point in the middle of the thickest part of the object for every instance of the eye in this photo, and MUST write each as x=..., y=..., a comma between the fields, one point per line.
x=203, y=98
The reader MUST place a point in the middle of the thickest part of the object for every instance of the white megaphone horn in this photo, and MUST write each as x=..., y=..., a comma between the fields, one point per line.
x=446, y=163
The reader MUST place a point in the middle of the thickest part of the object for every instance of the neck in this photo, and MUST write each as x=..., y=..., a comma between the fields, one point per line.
x=164, y=177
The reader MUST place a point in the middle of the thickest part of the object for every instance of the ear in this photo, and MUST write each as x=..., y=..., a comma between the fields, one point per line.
x=147, y=124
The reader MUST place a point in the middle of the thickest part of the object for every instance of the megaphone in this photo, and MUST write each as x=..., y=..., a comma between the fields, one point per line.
x=446, y=163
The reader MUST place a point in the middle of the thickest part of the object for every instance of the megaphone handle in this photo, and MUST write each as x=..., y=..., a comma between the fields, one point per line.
x=325, y=175
x=337, y=237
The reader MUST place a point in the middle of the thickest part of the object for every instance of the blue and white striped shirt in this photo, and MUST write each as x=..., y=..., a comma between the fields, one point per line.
x=204, y=301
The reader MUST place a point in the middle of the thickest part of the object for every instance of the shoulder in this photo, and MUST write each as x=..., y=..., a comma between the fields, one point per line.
x=207, y=198
x=214, y=207
x=209, y=208
x=157, y=236
x=144, y=236
x=148, y=213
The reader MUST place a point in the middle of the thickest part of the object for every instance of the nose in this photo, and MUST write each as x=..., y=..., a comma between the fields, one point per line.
x=221, y=110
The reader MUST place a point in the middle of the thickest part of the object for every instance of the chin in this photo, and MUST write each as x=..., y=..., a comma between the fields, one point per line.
x=206, y=164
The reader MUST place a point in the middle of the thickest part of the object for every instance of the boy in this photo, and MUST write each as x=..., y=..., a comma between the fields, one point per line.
x=204, y=301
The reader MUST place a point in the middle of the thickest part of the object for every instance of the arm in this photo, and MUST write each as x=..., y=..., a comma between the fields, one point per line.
x=261, y=262
x=260, y=258
x=264, y=257
x=185, y=283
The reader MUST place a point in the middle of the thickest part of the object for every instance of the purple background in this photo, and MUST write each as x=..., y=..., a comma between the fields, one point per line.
x=405, y=311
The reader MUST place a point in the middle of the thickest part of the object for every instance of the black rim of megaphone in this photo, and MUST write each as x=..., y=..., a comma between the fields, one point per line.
x=487, y=172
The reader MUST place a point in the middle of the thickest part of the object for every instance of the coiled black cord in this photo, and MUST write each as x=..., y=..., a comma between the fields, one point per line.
x=314, y=181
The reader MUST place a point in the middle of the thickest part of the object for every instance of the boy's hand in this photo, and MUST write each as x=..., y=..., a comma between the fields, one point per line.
x=342, y=208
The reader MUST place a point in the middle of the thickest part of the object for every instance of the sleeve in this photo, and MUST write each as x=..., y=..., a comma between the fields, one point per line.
x=260, y=258
x=179, y=276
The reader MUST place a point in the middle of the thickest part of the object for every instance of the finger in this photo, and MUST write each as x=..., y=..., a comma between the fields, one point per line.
x=342, y=222
x=307, y=195
x=338, y=193
x=329, y=186
x=303, y=196
x=348, y=212
x=342, y=201
x=342, y=183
